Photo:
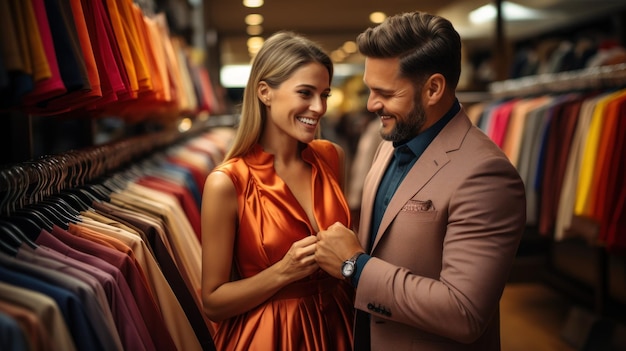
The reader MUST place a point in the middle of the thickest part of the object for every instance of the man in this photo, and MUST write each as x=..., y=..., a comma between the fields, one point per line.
x=443, y=209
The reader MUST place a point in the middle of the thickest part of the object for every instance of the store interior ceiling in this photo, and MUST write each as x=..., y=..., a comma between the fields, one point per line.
x=333, y=22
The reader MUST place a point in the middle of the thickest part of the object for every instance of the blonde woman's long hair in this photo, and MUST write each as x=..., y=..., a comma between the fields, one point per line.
x=280, y=56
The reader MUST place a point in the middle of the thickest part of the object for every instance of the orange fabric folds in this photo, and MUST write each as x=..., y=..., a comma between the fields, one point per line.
x=315, y=313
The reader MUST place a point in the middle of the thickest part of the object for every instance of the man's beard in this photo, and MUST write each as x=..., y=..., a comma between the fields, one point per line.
x=409, y=127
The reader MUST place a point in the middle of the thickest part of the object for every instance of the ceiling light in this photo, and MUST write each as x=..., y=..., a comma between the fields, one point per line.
x=337, y=55
x=511, y=12
x=254, y=44
x=254, y=19
x=184, y=124
x=255, y=41
x=254, y=30
x=252, y=3
x=234, y=76
x=377, y=17
x=349, y=47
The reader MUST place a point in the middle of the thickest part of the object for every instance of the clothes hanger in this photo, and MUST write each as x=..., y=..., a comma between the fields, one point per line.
x=48, y=213
x=36, y=181
x=114, y=184
x=119, y=180
x=96, y=192
x=15, y=234
x=57, y=180
x=60, y=199
x=48, y=179
x=92, y=193
x=9, y=240
x=73, y=195
x=27, y=221
x=30, y=222
x=92, y=166
x=7, y=190
x=26, y=217
x=54, y=211
x=74, y=202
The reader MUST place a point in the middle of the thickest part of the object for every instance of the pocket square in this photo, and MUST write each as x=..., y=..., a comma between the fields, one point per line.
x=418, y=206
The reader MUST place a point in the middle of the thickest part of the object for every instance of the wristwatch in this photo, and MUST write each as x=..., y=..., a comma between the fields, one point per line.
x=349, y=266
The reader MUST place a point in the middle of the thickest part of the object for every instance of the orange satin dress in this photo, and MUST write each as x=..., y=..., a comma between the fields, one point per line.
x=315, y=313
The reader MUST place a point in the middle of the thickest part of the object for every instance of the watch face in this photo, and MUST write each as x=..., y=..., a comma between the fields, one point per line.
x=347, y=269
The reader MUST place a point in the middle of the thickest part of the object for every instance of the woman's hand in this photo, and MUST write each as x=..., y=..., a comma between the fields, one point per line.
x=299, y=261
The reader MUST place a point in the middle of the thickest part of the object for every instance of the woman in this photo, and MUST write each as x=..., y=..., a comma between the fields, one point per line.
x=263, y=206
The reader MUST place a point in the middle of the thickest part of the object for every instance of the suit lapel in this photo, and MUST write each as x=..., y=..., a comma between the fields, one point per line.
x=432, y=160
x=370, y=186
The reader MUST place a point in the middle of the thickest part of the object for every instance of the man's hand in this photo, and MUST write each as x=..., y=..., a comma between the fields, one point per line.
x=335, y=245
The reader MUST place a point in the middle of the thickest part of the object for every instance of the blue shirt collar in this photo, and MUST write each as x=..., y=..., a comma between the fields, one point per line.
x=420, y=142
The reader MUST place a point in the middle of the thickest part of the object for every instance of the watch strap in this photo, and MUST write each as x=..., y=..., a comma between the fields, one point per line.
x=351, y=261
x=355, y=257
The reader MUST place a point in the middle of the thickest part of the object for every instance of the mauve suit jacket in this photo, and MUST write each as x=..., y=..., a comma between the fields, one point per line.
x=445, y=245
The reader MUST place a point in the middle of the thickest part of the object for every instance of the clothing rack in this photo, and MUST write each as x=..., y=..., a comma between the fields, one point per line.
x=29, y=182
x=55, y=192
x=584, y=79
x=587, y=330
